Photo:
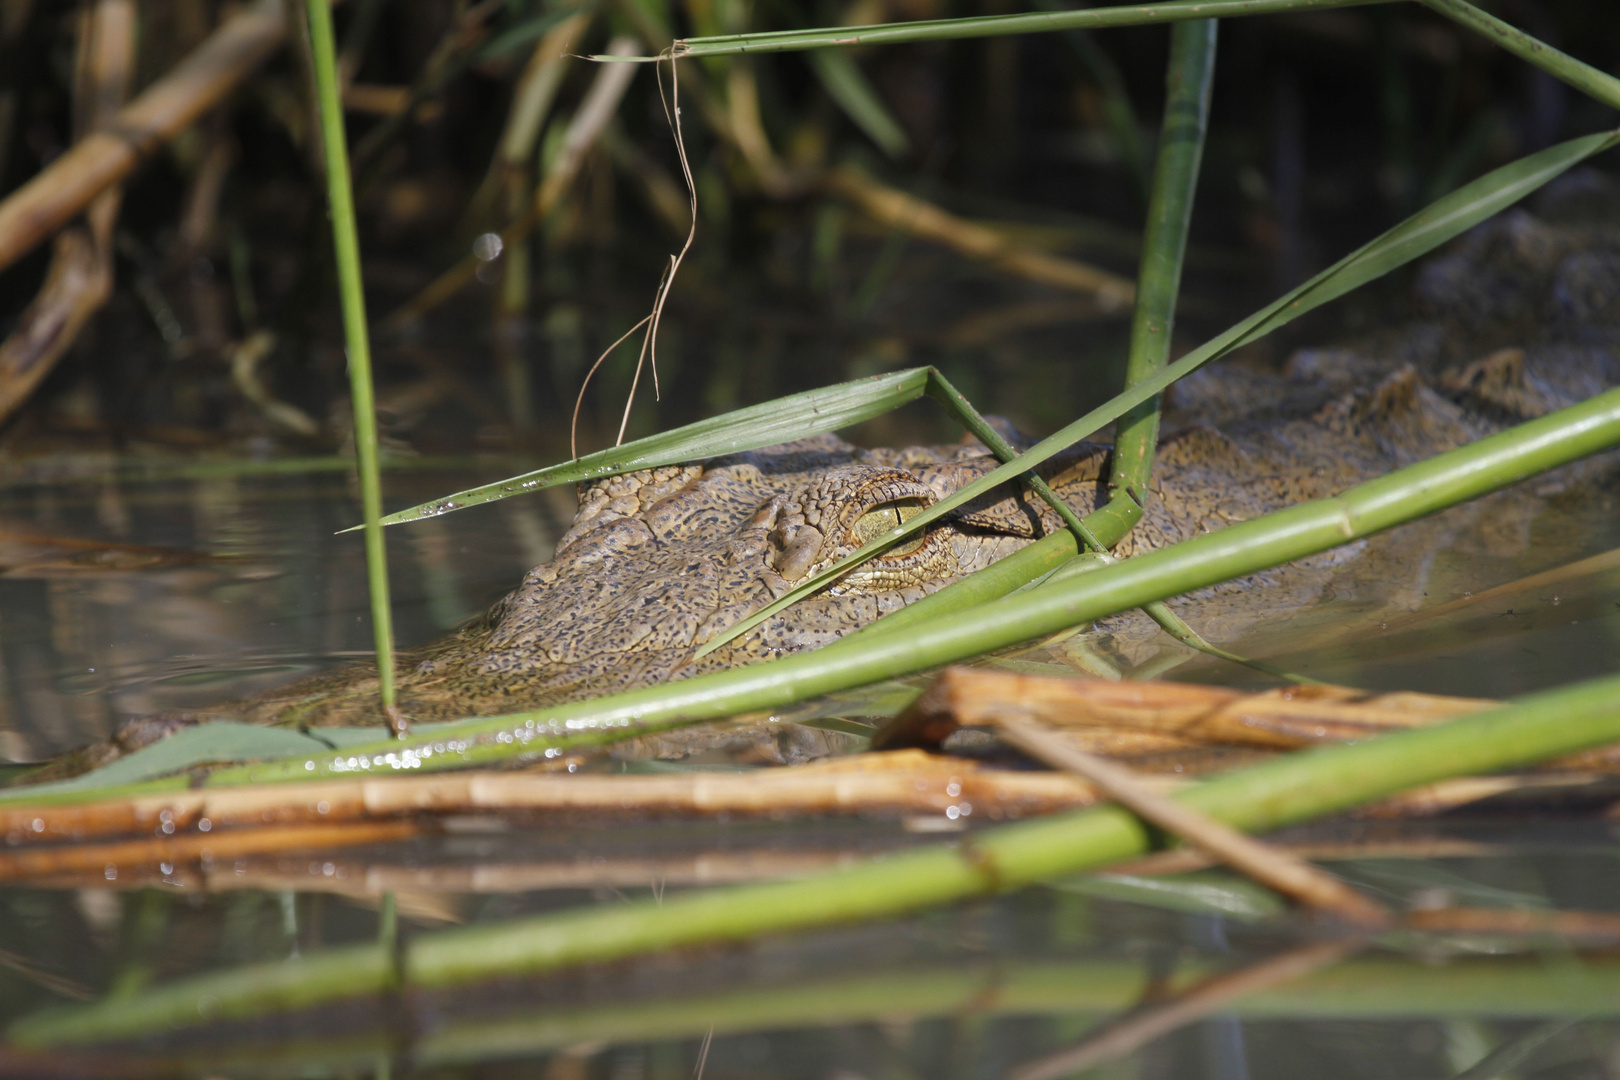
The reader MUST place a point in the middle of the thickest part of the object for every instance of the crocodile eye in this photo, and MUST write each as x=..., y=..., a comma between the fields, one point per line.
x=886, y=517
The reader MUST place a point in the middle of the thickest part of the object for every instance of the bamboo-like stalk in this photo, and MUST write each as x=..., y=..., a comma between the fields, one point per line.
x=996, y=860
x=107, y=858
x=994, y=25
x=1164, y=245
x=907, y=781
x=1274, y=719
x=346, y=242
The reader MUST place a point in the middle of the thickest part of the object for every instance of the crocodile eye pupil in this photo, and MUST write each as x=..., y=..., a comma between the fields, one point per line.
x=881, y=520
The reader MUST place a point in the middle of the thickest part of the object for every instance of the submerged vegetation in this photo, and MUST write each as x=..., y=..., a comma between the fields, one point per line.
x=761, y=174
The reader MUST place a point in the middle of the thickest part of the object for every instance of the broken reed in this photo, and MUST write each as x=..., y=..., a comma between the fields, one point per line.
x=346, y=244
x=1282, y=792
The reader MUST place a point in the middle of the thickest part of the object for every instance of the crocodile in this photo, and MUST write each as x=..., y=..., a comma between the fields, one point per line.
x=1519, y=318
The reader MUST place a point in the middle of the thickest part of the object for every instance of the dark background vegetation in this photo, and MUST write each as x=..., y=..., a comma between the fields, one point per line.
x=1327, y=127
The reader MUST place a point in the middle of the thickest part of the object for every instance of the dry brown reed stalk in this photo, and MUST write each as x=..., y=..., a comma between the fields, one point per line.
x=1282, y=719
x=903, y=782
x=357, y=876
x=594, y=113
x=1189, y=716
x=80, y=278
x=1136, y=1029
x=1277, y=870
x=903, y=211
x=230, y=823
x=102, y=158
x=78, y=858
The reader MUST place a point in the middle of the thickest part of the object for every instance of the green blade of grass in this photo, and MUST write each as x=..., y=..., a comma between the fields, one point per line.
x=1291, y=789
x=1164, y=245
x=346, y=241
x=792, y=417
x=846, y=85
x=1414, y=237
x=994, y=25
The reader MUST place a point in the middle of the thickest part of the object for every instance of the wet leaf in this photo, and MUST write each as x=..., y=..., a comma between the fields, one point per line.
x=794, y=417
x=217, y=742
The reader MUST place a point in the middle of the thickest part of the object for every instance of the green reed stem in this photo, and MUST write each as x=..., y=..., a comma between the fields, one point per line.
x=995, y=25
x=1164, y=246
x=347, y=244
x=1583, y=77
x=1282, y=792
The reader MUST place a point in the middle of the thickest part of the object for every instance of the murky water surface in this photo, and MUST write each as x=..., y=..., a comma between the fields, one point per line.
x=121, y=597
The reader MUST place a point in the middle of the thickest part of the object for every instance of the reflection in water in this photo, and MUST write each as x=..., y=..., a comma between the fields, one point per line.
x=125, y=598
x=1029, y=985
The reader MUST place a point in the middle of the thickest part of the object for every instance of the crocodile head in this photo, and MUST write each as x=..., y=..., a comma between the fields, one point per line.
x=660, y=562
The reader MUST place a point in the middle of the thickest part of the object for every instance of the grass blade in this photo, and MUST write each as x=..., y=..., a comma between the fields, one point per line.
x=1164, y=245
x=1418, y=235
x=792, y=417
x=994, y=25
x=347, y=243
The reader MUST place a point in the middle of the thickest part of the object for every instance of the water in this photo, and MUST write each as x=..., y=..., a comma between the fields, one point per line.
x=223, y=586
x=226, y=583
